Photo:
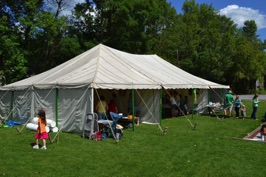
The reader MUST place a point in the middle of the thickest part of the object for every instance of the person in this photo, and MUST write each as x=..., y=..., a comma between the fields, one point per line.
x=185, y=105
x=41, y=130
x=177, y=99
x=181, y=105
x=243, y=111
x=101, y=108
x=129, y=105
x=263, y=131
x=112, y=107
x=255, y=104
x=174, y=105
x=228, y=103
x=237, y=103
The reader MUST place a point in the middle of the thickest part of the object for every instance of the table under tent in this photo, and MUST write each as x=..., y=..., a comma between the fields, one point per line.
x=69, y=91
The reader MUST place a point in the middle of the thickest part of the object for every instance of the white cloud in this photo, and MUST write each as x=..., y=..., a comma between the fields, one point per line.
x=240, y=14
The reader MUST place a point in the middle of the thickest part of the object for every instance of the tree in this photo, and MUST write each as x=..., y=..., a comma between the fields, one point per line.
x=250, y=29
x=36, y=35
x=44, y=32
x=249, y=61
x=45, y=39
x=206, y=42
x=12, y=61
x=124, y=24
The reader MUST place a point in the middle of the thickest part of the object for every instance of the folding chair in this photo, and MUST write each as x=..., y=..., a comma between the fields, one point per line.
x=90, y=125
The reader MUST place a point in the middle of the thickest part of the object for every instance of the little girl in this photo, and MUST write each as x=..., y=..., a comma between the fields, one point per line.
x=41, y=131
x=243, y=111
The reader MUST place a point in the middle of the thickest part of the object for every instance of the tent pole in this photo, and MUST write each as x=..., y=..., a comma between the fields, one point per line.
x=209, y=95
x=161, y=105
x=92, y=99
x=133, y=110
x=32, y=110
x=192, y=112
x=11, y=104
x=56, y=106
x=193, y=101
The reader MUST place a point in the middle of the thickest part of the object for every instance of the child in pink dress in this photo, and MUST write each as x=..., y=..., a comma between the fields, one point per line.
x=41, y=130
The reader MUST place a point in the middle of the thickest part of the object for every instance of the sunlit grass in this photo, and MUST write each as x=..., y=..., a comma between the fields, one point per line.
x=210, y=150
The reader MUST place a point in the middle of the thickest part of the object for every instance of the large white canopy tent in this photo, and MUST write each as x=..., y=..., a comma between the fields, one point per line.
x=69, y=91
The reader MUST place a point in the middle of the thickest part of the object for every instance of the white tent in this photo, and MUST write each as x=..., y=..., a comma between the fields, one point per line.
x=69, y=90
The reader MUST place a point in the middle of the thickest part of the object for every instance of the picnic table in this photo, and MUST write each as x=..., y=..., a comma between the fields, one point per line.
x=214, y=108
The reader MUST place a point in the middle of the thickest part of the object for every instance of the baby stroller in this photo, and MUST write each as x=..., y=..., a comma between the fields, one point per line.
x=112, y=128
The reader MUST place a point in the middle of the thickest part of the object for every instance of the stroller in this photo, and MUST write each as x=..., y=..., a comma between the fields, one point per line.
x=112, y=129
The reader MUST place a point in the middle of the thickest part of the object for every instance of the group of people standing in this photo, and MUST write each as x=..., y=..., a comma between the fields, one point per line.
x=231, y=101
x=178, y=104
x=103, y=108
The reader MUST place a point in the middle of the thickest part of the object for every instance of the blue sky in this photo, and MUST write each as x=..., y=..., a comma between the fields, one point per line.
x=238, y=10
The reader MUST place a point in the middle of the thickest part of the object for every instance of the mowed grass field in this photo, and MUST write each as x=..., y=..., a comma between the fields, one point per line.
x=207, y=151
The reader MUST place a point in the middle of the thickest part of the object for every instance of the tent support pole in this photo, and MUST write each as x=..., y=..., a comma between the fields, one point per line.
x=92, y=99
x=193, y=101
x=133, y=110
x=192, y=112
x=11, y=105
x=161, y=106
x=56, y=106
x=209, y=95
x=32, y=110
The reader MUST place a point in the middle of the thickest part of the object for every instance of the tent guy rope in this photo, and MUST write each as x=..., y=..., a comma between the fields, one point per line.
x=192, y=125
x=4, y=95
x=23, y=97
x=30, y=118
x=150, y=112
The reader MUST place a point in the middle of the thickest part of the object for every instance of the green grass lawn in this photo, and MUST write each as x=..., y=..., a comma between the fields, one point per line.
x=210, y=150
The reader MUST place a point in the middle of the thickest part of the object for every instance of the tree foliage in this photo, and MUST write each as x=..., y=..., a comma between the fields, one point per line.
x=12, y=60
x=207, y=42
x=249, y=64
x=123, y=24
x=36, y=35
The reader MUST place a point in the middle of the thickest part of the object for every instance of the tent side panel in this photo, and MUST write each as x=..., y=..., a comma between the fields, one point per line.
x=5, y=103
x=202, y=101
x=73, y=106
x=149, y=105
x=217, y=95
x=44, y=99
x=21, y=105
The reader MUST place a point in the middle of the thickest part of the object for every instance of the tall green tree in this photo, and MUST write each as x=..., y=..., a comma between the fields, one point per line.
x=206, y=42
x=12, y=60
x=126, y=25
x=249, y=61
x=250, y=29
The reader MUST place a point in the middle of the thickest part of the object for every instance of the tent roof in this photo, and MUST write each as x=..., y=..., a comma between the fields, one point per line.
x=108, y=68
